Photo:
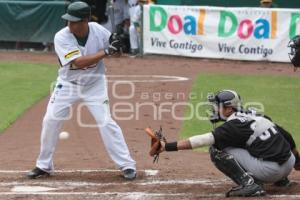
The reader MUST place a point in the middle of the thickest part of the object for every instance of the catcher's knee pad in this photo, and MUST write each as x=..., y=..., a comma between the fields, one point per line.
x=226, y=163
x=220, y=158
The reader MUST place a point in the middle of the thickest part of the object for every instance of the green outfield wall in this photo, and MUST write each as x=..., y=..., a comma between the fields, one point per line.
x=30, y=21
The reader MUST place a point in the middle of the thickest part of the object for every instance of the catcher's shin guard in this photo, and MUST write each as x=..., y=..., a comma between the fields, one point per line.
x=231, y=168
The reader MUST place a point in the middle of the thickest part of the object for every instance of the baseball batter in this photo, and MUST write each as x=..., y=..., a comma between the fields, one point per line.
x=80, y=48
x=248, y=148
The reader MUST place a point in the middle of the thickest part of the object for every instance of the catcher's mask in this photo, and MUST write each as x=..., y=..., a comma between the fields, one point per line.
x=294, y=54
x=223, y=98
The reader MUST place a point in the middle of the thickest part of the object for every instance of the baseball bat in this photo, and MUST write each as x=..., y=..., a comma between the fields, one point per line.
x=112, y=16
x=150, y=132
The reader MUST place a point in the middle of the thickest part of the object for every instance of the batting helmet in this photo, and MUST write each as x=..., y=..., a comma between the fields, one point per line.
x=294, y=54
x=77, y=11
x=223, y=98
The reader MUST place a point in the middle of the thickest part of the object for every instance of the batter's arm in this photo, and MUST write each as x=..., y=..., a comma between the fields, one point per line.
x=88, y=60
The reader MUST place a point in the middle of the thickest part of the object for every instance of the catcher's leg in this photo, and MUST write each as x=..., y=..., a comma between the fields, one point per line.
x=265, y=171
x=231, y=168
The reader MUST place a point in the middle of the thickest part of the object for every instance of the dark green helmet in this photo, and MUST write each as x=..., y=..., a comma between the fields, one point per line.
x=77, y=11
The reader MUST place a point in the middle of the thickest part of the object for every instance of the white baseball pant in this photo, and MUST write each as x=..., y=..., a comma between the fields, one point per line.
x=95, y=98
x=133, y=37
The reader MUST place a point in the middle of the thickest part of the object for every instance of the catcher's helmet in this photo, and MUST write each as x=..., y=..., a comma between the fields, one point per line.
x=223, y=98
x=77, y=11
x=294, y=54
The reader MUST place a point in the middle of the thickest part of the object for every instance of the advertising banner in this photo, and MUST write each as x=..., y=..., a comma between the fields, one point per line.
x=219, y=32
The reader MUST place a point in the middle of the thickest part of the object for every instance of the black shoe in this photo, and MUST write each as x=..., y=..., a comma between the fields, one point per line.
x=37, y=173
x=246, y=191
x=285, y=182
x=129, y=174
x=134, y=53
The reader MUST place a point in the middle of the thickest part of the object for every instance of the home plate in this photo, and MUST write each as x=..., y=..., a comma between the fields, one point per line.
x=31, y=189
x=149, y=172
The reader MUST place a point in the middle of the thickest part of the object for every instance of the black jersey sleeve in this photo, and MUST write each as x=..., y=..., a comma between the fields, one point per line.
x=222, y=136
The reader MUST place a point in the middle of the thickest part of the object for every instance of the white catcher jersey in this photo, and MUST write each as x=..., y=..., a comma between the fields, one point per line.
x=68, y=49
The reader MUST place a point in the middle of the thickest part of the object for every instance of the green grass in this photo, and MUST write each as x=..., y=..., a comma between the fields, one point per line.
x=21, y=86
x=280, y=96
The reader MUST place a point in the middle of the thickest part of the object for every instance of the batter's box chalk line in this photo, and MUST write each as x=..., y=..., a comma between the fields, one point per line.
x=53, y=188
x=145, y=182
x=145, y=78
x=148, y=172
x=134, y=195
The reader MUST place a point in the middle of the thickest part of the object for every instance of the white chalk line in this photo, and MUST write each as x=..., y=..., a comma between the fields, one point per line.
x=56, y=185
x=148, y=172
x=94, y=193
x=64, y=185
x=146, y=78
x=140, y=183
x=31, y=189
x=134, y=194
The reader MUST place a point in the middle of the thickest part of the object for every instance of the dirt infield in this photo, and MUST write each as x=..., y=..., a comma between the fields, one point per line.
x=84, y=170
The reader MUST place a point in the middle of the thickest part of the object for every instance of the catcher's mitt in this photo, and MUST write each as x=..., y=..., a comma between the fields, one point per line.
x=156, y=137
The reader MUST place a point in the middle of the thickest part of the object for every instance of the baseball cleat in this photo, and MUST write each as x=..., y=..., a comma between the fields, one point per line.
x=129, y=174
x=246, y=191
x=37, y=173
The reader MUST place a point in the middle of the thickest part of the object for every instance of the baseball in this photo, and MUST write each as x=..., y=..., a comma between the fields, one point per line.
x=64, y=135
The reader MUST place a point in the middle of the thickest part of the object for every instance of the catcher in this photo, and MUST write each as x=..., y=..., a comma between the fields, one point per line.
x=248, y=148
